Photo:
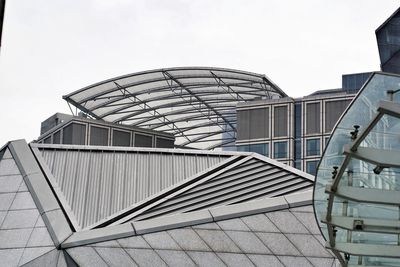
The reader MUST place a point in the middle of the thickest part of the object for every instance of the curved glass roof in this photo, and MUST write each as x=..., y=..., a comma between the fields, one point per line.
x=356, y=193
x=196, y=104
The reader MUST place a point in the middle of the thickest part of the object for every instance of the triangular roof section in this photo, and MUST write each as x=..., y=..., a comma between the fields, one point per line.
x=249, y=177
x=60, y=220
x=97, y=182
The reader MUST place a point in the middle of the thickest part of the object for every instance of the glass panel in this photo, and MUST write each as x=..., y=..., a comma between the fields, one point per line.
x=361, y=174
x=121, y=138
x=243, y=148
x=98, y=136
x=260, y=149
x=142, y=140
x=57, y=137
x=259, y=120
x=333, y=111
x=280, y=121
x=164, y=143
x=313, y=147
x=74, y=134
x=280, y=150
x=313, y=118
x=311, y=167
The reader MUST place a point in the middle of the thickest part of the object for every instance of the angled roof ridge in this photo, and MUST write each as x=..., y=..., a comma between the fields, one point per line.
x=56, y=221
x=189, y=219
x=141, y=149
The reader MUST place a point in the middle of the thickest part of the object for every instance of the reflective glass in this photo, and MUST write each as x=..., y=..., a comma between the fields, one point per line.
x=313, y=147
x=360, y=174
x=280, y=150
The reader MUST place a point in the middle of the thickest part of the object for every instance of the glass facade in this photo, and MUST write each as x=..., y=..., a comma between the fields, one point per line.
x=313, y=147
x=280, y=150
x=356, y=192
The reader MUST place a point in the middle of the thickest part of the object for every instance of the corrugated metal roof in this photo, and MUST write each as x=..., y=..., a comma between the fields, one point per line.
x=250, y=178
x=100, y=182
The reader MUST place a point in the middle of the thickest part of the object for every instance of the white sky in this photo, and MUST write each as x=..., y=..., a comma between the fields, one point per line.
x=54, y=47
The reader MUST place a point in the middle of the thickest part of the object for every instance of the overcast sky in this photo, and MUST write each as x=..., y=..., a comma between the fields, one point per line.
x=54, y=47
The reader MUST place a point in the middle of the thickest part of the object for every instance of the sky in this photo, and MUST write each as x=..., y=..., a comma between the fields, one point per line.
x=53, y=47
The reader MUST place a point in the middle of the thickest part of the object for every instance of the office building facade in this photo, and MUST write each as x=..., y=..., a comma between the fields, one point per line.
x=295, y=130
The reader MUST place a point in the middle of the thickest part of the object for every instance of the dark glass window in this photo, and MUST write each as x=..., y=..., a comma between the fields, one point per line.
x=47, y=140
x=259, y=123
x=164, y=143
x=313, y=147
x=243, y=148
x=280, y=121
x=98, y=136
x=243, y=124
x=262, y=149
x=333, y=111
x=121, y=138
x=142, y=140
x=280, y=150
x=313, y=118
x=57, y=137
x=74, y=134
x=311, y=167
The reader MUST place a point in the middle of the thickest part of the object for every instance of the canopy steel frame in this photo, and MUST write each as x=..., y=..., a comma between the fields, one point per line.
x=363, y=195
x=143, y=99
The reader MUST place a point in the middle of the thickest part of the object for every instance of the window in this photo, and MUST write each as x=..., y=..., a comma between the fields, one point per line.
x=164, y=143
x=243, y=148
x=259, y=123
x=98, y=136
x=280, y=150
x=333, y=111
x=121, y=138
x=280, y=121
x=313, y=118
x=57, y=137
x=142, y=140
x=74, y=134
x=313, y=147
x=260, y=149
x=311, y=167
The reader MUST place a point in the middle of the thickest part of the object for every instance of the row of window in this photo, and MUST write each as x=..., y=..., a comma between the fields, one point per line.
x=76, y=134
x=313, y=148
x=280, y=149
x=255, y=123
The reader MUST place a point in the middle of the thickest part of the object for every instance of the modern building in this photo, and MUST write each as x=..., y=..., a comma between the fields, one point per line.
x=87, y=193
x=295, y=130
x=214, y=108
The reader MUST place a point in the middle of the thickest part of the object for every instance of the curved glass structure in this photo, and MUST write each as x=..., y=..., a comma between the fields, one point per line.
x=196, y=104
x=356, y=193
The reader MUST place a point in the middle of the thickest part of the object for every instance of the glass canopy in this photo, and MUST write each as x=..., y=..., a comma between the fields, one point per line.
x=356, y=193
x=196, y=104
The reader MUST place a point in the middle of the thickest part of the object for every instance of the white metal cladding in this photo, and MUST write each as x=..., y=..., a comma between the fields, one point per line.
x=196, y=104
x=100, y=182
x=252, y=179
